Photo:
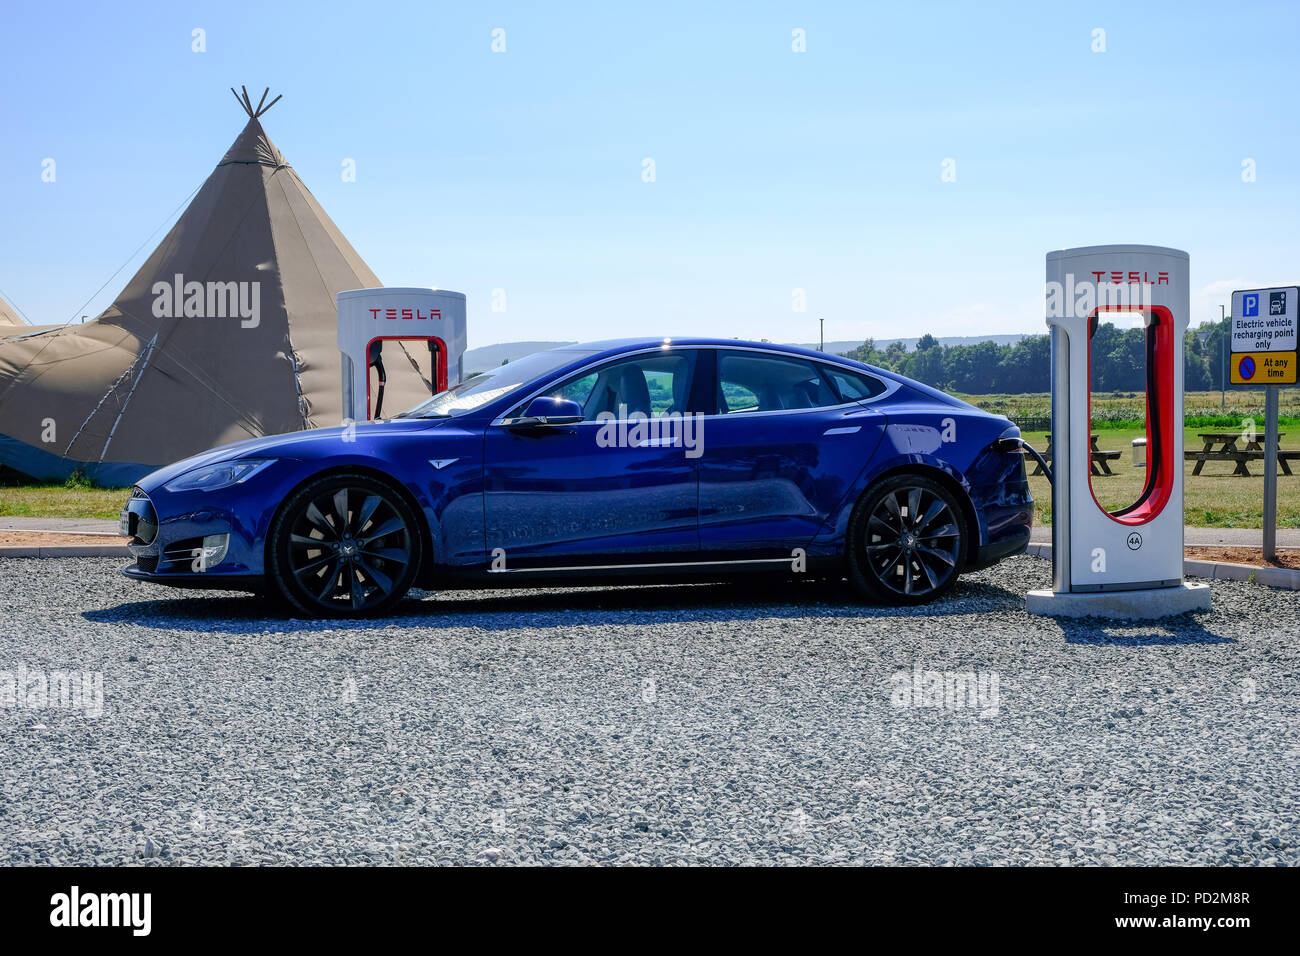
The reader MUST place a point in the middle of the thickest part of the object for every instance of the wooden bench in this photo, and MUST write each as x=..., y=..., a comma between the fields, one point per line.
x=1099, y=464
x=1102, y=457
x=1240, y=459
x=1227, y=450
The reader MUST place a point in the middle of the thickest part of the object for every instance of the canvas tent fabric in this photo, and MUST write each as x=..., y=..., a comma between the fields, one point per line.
x=12, y=324
x=145, y=384
x=9, y=316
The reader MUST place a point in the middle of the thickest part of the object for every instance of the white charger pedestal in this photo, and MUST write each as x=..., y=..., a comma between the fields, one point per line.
x=1126, y=563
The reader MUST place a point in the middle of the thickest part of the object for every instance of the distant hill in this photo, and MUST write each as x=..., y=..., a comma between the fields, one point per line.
x=490, y=356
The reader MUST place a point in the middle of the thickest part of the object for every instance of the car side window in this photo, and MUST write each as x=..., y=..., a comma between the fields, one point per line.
x=854, y=386
x=759, y=382
x=737, y=398
x=653, y=384
x=578, y=389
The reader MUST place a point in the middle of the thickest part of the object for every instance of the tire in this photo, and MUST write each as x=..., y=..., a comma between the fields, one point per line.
x=345, y=545
x=907, y=541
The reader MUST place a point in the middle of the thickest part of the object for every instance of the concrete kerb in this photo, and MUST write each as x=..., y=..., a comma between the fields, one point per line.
x=65, y=551
x=1285, y=578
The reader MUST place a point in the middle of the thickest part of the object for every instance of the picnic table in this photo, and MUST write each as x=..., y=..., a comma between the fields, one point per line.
x=1100, y=463
x=1228, y=450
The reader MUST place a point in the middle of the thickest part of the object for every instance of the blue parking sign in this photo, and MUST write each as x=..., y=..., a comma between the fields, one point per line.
x=1250, y=304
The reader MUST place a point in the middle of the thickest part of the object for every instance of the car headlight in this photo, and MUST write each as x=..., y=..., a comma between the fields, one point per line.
x=221, y=475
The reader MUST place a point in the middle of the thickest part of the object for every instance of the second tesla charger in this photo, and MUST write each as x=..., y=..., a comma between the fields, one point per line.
x=428, y=318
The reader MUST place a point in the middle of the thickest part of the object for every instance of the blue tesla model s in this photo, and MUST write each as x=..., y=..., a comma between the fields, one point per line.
x=626, y=461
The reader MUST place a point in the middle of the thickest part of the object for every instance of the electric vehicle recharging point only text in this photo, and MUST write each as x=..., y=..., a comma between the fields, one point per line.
x=433, y=319
x=1126, y=562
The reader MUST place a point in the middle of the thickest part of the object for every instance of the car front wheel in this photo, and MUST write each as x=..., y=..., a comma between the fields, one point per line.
x=907, y=541
x=344, y=546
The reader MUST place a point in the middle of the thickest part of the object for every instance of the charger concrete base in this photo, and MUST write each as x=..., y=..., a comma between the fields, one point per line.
x=1141, y=605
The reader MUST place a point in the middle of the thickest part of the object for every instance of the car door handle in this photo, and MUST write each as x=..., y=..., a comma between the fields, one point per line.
x=847, y=430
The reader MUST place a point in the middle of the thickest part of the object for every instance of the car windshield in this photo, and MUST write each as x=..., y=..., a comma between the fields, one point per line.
x=488, y=386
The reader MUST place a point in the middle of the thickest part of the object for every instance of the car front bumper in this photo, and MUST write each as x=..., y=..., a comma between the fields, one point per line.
x=178, y=548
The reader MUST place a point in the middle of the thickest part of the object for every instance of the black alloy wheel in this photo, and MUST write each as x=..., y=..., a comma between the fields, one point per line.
x=345, y=546
x=907, y=541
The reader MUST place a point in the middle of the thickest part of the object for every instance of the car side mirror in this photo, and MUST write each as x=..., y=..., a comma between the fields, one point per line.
x=546, y=411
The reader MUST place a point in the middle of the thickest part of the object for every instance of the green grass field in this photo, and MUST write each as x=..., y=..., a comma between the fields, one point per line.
x=60, y=501
x=1214, y=499
x=1207, y=410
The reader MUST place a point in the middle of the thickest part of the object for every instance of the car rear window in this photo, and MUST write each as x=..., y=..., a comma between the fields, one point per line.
x=854, y=386
x=758, y=381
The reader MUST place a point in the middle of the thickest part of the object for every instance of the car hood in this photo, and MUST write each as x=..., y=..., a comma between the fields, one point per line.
x=292, y=445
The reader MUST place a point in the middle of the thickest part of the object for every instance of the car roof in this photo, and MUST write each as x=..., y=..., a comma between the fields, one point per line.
x=588, y=353
x=602, y=346
x=609, y=348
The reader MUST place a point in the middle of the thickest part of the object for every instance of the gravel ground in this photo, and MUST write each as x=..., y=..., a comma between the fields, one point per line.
x=692, y=724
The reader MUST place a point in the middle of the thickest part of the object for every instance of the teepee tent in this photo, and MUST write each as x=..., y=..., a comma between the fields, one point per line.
x=228, y=331
x=12, y=324
x=8, y=317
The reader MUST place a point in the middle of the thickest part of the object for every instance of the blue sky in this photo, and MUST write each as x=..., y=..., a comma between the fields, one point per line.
x=774, y=170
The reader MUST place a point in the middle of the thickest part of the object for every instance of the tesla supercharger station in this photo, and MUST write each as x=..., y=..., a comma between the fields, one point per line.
x=370, y=317
x=1125, y=563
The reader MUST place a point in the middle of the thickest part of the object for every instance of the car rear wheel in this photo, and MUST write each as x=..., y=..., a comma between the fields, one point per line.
x=907, y=541
x=344, y=546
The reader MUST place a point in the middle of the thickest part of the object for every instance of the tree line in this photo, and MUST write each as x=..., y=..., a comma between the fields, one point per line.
x=1118, y=361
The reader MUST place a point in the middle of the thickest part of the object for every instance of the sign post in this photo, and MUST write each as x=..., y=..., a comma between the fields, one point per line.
x=1270, y=472
x=1264, y=353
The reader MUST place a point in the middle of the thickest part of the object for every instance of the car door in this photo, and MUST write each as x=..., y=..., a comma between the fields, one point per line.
x=614, y=489
x=787, y=439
